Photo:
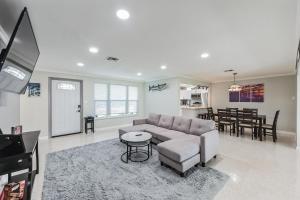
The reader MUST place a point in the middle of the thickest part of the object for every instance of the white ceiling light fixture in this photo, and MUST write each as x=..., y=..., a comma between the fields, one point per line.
x=234, y=87
x=80, y=64
x=93, y=50
x=205, y=55
x=123, y=14
x=163, y=67
x=139, y=74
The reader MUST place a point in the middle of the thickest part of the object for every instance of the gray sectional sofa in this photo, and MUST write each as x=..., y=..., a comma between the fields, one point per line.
x=182, y=142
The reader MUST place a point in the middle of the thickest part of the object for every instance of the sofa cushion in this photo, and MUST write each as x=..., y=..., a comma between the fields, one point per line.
x=193, y=138
x=180, y=149
x=170, y=134
x=166, y=121
x=200, y=126
x=141, y=127
x=181, y=124
x=153, y=119
x=155, y=130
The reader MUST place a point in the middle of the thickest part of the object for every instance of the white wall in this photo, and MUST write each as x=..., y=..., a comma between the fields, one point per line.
x=280, y=94
x=165, y=101
x=298, y=78
x=298, y=110
x=34, y=110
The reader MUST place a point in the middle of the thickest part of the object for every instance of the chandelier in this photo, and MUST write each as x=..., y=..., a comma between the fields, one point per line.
x=234, y=87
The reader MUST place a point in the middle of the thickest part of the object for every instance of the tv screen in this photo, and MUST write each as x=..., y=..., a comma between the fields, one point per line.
x=19, y=58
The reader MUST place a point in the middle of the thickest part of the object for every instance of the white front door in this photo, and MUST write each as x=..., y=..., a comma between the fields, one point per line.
x=66, y=107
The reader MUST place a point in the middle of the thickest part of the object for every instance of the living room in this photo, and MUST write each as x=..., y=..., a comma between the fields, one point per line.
x=150, y=100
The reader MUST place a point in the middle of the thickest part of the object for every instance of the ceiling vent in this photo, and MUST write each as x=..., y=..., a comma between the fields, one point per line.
x=113, y=59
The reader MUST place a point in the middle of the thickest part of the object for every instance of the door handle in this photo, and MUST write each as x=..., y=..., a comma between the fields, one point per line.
x=78, y=108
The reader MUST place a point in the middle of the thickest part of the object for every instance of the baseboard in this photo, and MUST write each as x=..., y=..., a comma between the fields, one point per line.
x=97, y=129
x=286, y=132
x=43, y=137
x=125, y=125
x=112, y=127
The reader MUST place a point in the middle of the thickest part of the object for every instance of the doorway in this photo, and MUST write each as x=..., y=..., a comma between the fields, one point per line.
x=65, y=106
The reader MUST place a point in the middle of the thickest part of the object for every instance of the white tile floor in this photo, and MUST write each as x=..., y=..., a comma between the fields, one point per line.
x=258, y=170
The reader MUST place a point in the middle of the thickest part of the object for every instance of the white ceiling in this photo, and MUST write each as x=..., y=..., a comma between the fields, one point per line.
x=254, y=37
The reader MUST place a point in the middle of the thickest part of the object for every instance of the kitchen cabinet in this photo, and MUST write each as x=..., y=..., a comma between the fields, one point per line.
x=185, y=94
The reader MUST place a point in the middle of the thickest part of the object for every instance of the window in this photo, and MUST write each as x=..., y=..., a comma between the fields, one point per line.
x=118, y=99
x=101, y=97
x=132, y=100
x=66, y=86
x=115, y=100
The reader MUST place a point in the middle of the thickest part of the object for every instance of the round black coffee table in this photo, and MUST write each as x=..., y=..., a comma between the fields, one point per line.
x=135, y=143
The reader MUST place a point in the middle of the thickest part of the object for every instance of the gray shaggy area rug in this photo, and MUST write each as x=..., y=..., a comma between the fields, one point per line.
x=95, y=171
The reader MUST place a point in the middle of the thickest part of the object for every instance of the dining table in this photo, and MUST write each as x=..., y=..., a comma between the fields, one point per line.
x=260, y=118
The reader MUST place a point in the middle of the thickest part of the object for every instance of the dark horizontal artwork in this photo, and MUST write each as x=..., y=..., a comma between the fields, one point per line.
x=248, y=93
x=245, y=93
x=234, y=96
x=257, y=93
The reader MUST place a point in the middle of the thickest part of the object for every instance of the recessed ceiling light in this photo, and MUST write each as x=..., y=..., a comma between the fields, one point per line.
x=80, y=64
x=139, y=74
x=94, y=50
x=163, y=67
x=123, y=14
x=205, y=55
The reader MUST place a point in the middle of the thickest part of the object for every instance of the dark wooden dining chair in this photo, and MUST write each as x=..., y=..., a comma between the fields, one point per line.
x=253, y=109
x=270, y=129
x=248, y=120
x=210, y=113
x=211, y=116
x=233, y=112
x=232, y=109
x=202, y=115
x=224, y=120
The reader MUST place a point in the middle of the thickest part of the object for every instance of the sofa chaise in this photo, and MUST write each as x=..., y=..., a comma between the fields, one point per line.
x=182, y=142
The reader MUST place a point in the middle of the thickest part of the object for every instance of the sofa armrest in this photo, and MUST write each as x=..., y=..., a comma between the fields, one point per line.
x=139, y=121
x=209, y=145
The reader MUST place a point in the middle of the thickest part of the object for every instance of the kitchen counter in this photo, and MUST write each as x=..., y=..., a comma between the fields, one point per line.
x=192, y=111
x=193, y=107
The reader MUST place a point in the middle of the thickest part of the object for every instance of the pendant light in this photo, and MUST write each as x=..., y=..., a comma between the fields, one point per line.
x=234, y=87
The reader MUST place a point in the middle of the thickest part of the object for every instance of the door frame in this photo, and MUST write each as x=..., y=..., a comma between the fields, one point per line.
x=50, y=79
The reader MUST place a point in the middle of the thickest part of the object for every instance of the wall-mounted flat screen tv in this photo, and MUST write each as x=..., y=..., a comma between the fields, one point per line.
x=18, y=59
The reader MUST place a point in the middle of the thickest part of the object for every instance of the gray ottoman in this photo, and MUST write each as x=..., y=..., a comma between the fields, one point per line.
x=180, y=154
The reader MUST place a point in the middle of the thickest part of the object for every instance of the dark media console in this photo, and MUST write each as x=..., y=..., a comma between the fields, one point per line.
x=16, y=154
